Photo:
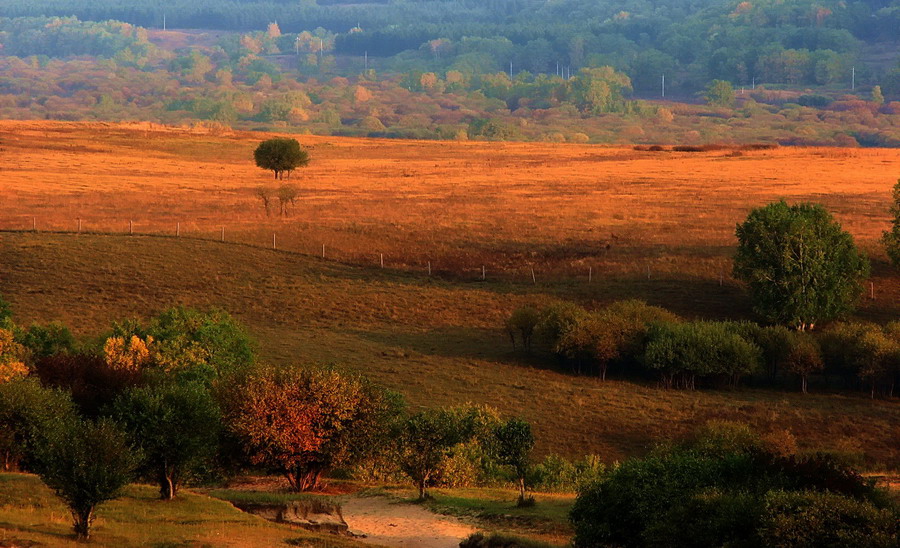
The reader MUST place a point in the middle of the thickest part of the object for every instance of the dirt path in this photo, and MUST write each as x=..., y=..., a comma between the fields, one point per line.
x=401, y=525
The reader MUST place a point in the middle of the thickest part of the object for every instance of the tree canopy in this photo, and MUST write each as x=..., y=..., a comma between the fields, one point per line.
x=800, y=266
x=280, y=155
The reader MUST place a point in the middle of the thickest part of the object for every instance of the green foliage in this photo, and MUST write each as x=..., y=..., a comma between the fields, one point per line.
x=426, y=438
x=176, y=426
x=194, y=344
x=800, y=266
x=29, y=412
x=803, y=357
x=280, y=155
x=498, y=540
x=5, y=313
x=723, y=490
x=891, y=238
x=556, y=319
x=48, y=340
x=865, y=351
x=87, y=463
x=809, y=518
x=683, y=352
x=513, y=442
x=720, y=93
x=600, y=90
x=558, y=475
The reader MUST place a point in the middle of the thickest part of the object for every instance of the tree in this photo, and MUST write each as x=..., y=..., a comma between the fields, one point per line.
x=303, y=422
x=891, y=238
x=176, y=426
x=287, y=194
x=877, y=96
x=87, y=463
x=265, y=195
x=26, y=411
x=514, y=441
x=800, y=266
x=280, y=155
x=720, y=93
x=423, y=440
x=12, y=357
x=803, y=357
x=524, y=321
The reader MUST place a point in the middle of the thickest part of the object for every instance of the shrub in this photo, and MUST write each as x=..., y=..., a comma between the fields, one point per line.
x=558, y=475
x=499, y=540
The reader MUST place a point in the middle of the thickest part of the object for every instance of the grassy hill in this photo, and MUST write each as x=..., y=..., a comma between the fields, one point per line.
x=435, y=341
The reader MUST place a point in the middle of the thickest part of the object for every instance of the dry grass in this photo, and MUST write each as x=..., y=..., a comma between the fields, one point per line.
x=509, y=206
x=435, y=341
x=561, y=209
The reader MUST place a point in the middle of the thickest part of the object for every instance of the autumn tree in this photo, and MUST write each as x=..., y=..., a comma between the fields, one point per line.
x=281, y=156
x=513, y=442
x=176, y=426
x=86, y=463
x=800, y=266
x=303, y=422
x=12, y=357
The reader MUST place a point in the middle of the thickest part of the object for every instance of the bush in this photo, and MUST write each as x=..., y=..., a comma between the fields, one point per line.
x=499, y=540
x=558, y=475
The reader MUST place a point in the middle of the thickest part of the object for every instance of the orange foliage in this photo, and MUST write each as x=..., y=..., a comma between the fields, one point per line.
x=131, y=356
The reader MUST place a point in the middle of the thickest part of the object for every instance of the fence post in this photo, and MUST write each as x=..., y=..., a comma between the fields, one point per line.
x=590, y=274
x=79, y=225
x=131, y=228
x=382, y=259
x=429, y=268
x=34, y=224
x=223, y=233
x=323, y=251
x=273, y=241
x=177, y=230
x=483, y=273
x=533, y=279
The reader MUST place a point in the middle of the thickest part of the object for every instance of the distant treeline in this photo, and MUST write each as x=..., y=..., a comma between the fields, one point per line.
x=691, y=41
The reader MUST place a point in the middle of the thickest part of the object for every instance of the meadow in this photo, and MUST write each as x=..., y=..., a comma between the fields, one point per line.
x=566, y=211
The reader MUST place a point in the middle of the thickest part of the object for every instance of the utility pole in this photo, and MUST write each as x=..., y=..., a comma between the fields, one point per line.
x=853, y=78
x=164, y=21
x=510, y=70
x=297, y=45
x=663, y=85
x=367, y=60
x=753, y=84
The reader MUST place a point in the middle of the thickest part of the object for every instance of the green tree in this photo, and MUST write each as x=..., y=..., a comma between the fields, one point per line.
x=600, y=90
x=800, y=266
x=877, y=96
x=27, y=411
x=720, y=93
x=176, y=426
x=87, y=463
x=280, y=155
x=891, y=238
x=425, y=439
x=523, y=321
x=513, y=444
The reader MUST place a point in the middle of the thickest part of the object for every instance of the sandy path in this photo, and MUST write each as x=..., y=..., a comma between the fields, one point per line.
x=401, y=525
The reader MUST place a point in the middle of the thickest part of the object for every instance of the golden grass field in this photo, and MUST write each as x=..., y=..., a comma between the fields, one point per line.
x=508, y=206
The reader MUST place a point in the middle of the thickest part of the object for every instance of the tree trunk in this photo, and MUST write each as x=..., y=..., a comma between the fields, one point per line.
x=83, y=520
x=521, y=491
x=422, y=494
x=603, y=368
x=803, y=383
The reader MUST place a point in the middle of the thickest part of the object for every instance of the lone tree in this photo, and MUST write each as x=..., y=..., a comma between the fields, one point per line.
x=800, y=266
x=86, y=463
x=720, y=93
x=280, y=155
x=891, y=237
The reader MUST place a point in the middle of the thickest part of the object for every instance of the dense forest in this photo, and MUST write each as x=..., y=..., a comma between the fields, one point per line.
x=693, y=72
x=691, y=41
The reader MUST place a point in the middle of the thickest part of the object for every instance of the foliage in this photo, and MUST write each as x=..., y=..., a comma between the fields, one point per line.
x=27, y=412
x=12, y=357
x=800, y=266
x=558, y=475
x=188, y=342
x=424, y=439
x=176, y=427
x=522, y=322
x=720, y=93
x=513, y=444
x=723, y=490
x=498, y=540
x=87, y=463
x=683, y=352
x=891, y=238
x=303, y=422
x=48, y=340
x=92, y=383
x=556, y=319
x=803, y=357
x=280, y=156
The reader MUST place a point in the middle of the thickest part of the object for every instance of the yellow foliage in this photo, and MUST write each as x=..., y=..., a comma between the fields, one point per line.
x=130, y=356
x=12, y=370
x=11, y=354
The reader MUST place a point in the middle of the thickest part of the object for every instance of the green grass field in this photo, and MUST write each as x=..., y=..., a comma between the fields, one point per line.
x=435, y=341
x=139, y=518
